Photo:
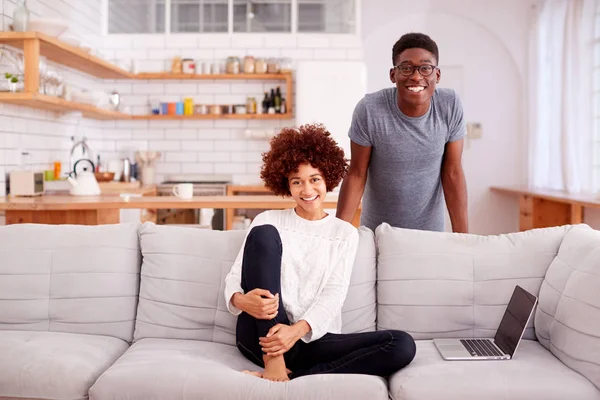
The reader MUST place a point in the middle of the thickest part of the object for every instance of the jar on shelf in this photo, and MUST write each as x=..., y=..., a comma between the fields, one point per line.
x=248, y=65
x=260, y=66
x=201, y=109
x=232, y=65
x=188, y=106
x=251, y=105
x=240, y=109
x=285, y=65
x=215, y=109
x=188, y=66
x=176, y=65
x=273, y=66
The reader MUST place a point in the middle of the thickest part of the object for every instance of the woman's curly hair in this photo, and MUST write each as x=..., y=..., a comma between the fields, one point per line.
x=292, y=147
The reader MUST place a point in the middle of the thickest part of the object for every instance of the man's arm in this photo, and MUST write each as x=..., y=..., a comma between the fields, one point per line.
x=455, y=186
x=353, y=185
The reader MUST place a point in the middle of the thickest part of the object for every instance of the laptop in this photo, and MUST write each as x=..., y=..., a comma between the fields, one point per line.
x=508, y=336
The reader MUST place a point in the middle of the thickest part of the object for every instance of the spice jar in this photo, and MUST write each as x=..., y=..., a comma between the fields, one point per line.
x=232, y=65
x=188, y=106
x=215, y=109
x=285, y=65
x=188, y=66
x=273, y=66
x=176, y=65
x=260, y=66
x=248, y=65
x=251, y=105
x=240, y=109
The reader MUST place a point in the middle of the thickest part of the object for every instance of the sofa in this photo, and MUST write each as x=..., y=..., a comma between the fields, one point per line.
x=137, y=312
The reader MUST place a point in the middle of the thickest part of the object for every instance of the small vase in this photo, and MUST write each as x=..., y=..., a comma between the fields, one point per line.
x=12, y=86
x=21, y=17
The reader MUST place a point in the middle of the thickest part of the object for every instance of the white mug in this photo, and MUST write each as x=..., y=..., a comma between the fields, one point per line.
x=184, y=190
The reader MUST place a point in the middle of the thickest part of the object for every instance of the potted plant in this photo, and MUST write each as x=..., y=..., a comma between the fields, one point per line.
x=12, y=80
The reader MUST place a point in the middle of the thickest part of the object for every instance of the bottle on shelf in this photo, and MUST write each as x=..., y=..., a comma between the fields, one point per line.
x=277, y=101
x=265, y=103
x=271, y=109
x=283, y=106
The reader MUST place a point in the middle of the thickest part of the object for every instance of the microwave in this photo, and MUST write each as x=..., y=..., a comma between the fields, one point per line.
x=26, y=183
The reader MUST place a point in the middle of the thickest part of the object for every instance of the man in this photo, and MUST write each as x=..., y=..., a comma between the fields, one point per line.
x=408, y=141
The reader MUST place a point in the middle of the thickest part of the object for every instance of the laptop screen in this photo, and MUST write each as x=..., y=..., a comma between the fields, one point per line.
x=515, y=320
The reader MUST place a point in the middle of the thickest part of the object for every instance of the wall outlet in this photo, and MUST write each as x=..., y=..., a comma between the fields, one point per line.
x=474, y=130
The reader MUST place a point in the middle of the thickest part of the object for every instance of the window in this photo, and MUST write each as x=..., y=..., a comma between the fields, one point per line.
x=199, y=15
x=136, y=16
x=262, y=15
x=249, y=16
x=331, y=16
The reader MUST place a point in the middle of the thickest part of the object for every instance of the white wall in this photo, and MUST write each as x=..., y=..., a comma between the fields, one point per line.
x=483, y=48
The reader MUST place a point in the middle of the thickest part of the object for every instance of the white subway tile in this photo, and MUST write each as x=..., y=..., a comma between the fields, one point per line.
x=12, y=157
x=199, y=168
x=6, y=123
x=283, y=40
x=214, y=88
x=253, y=40
x=253, y=168
x=148, y=88
x=150, y=41
x=222, y=156
x=230, y=99
x=168, y=168
x=131, y=54
x=182, y=89
x=232, y=123
x=164, y=54
x=230, y=145
x=181, y=157
x=204, y=99
x=164, y=145
x=151, y=65
x=182, y=134
x=246, y=179
x=200, y=145
x=181, y=41
x=136, y=100
x=217, y=134
x=298, y=54
x=247, y=88
x=345, y=41
x=330, y=54
x=131, y=145
x=9, y=140
x=118, y=41
x=230, y=168
x=148, y=134
x=216, y=41
x=155, y=124
x=314, y=41
x=132, y=124
x=258, y=146
x=200, y=56
x=248, y=157
x=197, y=123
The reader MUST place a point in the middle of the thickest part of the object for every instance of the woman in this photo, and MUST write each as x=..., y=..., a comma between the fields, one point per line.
x=290, y=279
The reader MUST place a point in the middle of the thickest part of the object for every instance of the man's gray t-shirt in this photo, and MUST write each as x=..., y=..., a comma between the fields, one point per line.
x=404, y=185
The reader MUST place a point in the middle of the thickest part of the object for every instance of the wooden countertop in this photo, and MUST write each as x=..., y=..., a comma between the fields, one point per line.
x=44, y=203
x=585, y=200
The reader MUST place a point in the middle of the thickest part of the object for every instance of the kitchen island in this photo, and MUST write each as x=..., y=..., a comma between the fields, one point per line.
x=104, y=209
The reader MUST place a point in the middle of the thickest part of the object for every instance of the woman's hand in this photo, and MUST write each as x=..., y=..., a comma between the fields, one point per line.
x=259, y=303
x=281, y=338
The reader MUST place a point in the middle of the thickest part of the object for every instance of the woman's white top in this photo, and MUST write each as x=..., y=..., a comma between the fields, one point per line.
x=316, y=267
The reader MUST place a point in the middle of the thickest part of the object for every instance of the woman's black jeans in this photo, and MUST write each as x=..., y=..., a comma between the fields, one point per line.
x=374, y=353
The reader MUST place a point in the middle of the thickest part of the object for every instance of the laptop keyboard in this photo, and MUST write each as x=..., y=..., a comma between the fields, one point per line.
x=480, y=347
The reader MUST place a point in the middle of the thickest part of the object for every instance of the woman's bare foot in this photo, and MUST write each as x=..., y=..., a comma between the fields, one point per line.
x=275, y=369
x=258, y=374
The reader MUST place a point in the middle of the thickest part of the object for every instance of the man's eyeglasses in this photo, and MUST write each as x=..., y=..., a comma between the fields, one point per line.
x=408, y=70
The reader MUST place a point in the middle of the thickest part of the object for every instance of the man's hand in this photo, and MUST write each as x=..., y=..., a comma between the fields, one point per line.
x=281, y=338
x=259, y=303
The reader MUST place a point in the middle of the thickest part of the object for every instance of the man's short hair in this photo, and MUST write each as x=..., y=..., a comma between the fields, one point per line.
x=412, y=41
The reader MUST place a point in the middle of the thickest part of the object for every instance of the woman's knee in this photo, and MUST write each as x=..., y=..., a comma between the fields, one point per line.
x=264, y=235
x=405, y=348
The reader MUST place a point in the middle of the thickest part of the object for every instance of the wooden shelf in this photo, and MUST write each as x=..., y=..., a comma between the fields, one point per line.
x=213, y=117
x=62, y=53
x=170, y=76
x=50, y=103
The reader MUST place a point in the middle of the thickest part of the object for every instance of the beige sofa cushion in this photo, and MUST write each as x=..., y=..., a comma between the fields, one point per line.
x=568, y=316
x=183, y=277
x=437, y=284
x=69, y=278
x=171, y=369
x=534, y=374
x=54, y=365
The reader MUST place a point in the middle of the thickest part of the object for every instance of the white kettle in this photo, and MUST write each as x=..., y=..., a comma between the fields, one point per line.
x=84, y=183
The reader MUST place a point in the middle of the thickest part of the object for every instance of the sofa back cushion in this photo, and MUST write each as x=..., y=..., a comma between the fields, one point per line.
x=69, y=278
x=568, y=316
x=438, y=284
x=183, y=282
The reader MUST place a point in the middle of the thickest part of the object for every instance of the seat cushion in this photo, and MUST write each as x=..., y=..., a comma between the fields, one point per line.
x=170, y=369
x=54, y=365
x=533, y=374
